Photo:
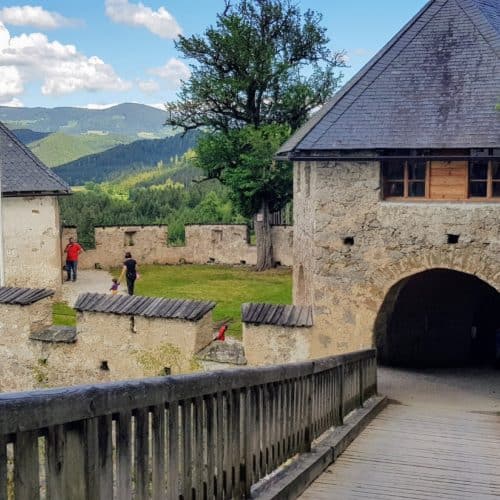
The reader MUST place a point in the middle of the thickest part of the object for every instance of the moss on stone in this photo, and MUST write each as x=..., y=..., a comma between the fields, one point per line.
x=154, y=361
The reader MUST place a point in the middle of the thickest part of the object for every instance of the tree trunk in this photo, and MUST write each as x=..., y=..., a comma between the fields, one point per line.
x=262, y=225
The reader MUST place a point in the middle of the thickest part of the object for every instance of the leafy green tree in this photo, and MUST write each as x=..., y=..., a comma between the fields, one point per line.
x=256, y=76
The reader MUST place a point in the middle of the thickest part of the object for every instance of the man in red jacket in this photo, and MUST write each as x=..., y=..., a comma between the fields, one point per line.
x=72, y=251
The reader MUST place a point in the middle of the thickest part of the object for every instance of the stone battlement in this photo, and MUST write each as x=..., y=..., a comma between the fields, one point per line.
x=214, y=243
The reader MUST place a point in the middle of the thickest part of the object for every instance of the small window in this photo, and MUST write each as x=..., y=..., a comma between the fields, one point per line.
x=478, y=178
x=404, y=179
x=129, y=238
x=298, y=170
x=495, y=178
x=484, y=178
x=216, y=235
x=393, y=172
x=417, y=170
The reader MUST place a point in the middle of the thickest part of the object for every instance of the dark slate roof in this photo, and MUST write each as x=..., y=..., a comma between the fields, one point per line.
x=56, y=334
x=191, y=310
x=434, y=85
x=22, y=172
x=279, y=315
x=23, y=296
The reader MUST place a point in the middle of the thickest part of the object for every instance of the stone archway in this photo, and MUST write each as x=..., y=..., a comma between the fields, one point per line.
x=438, y=317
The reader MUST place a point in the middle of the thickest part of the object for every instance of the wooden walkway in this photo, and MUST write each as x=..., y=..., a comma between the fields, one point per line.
x=418, y=452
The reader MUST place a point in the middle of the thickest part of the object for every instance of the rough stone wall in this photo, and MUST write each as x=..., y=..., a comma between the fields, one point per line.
x=108, y=347
x=270, y=344
x=282, y=238
x=32, y=242
x=362, y=246
x=227, y=244
x=224, y=244
x=19, y=361
x=304, y=224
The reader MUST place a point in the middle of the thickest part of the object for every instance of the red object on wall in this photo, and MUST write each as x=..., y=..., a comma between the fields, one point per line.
x=221, y=335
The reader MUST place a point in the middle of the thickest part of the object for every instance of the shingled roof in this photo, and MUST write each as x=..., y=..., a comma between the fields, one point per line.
x=434, y=85
x=278, y=315
x=22, y=172
x=23, y=296
x=191, y=310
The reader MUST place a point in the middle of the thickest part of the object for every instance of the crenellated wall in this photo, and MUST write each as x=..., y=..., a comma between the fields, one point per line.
x=215, y=243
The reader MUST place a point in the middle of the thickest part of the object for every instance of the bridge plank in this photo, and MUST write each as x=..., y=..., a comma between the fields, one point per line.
x=411, y=452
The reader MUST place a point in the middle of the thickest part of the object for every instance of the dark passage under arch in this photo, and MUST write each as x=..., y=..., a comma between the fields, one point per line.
x=438, y=318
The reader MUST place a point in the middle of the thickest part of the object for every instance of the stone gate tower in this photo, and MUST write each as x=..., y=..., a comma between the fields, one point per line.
x=396, y=195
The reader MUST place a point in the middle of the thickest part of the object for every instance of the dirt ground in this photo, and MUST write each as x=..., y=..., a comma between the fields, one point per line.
x=88, y=281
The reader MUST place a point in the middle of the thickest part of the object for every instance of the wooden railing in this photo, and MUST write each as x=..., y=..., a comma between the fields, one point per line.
x=208, y=435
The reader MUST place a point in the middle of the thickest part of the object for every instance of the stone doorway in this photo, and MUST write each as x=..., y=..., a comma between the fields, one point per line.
x=438, y=318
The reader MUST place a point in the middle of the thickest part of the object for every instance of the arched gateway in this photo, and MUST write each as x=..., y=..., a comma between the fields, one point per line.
x=438, y=317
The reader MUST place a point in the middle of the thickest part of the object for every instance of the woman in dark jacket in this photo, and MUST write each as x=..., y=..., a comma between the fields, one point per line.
x=130, y=271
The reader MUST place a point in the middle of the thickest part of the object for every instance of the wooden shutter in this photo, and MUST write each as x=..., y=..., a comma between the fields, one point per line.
x=448, y=180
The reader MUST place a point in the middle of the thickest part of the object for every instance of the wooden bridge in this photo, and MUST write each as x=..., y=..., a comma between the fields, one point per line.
x=259, y=432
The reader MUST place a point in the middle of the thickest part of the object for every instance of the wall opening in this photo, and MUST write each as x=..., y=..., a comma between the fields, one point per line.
x=438, y=318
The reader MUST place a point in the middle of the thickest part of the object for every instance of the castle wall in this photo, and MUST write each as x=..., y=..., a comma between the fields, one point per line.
x=19, y=361
x=107, y=347
x=32, y=242
x=354, y=247
x=214, y=243
x=271, y=344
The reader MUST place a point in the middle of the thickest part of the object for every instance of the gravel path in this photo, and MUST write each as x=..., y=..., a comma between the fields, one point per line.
x=469, y=389
x=88, y=281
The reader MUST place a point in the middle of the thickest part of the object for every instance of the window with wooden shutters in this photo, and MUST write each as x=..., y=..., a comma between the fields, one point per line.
x=474, y=179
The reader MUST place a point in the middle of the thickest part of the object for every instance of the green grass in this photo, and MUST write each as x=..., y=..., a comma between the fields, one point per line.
x=228, y=286
x=59, y=148
x=62, y=314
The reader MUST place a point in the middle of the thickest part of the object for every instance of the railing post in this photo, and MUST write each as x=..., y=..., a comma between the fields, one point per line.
x=342, y=391
x=361, y=384
x=309, y=413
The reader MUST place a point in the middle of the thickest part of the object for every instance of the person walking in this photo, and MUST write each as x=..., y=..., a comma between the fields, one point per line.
x=72, y=251
x=130, y=270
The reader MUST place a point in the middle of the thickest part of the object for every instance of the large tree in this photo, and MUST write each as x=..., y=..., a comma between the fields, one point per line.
x=255, y=78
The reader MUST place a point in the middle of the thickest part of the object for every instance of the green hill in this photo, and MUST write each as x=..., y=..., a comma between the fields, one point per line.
x=136, y=120
x=127, y=158
x=27, y=136
x=58, y=149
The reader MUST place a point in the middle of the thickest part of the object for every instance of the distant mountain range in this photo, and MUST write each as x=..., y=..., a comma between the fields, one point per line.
x=126, y=158
x=135, y=120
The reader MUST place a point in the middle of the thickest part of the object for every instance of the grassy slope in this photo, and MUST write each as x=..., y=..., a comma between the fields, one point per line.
x=57, y=149
x=228, y=286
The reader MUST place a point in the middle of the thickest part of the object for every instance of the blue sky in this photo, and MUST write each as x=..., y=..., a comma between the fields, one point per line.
x=101, y=52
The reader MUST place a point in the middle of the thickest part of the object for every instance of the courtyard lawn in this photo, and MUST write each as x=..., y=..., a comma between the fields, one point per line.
x=228, y=286
x=62, y=314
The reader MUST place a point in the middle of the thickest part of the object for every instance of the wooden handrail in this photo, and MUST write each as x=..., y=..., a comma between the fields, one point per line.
x=209, y=435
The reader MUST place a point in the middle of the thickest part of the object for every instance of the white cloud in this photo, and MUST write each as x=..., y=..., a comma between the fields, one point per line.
x=36, y=16
x=61, y=68
x=149, y=86
x=13, y=103
x=157, y=105
x=160, y=22
x=361, y=52
x=11, y=83
x=173, y=72
x=99, y=106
